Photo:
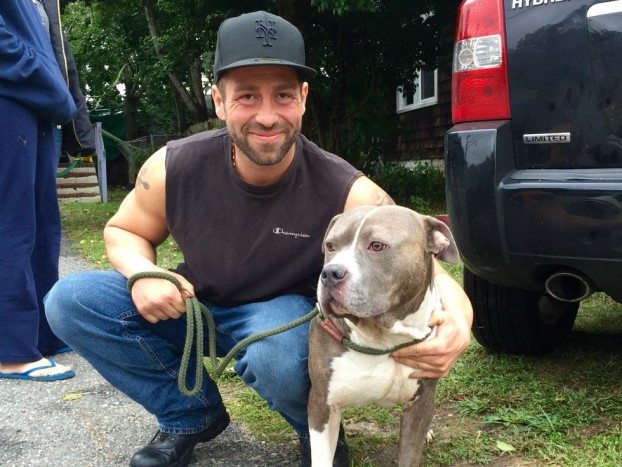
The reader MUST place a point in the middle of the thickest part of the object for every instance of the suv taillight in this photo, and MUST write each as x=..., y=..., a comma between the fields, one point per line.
x=480, y=78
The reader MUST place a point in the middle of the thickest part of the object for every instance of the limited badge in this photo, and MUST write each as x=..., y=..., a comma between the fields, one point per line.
x=547, y=138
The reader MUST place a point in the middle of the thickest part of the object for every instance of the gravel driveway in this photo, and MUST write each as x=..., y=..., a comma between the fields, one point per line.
x=85, y=422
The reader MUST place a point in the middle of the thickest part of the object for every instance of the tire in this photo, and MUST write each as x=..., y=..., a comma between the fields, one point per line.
x=517, y=321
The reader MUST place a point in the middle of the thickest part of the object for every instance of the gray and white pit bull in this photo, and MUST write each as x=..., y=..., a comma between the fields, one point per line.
x=376, y=292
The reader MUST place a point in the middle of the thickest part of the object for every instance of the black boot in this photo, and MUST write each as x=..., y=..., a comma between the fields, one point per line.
x=169, y=450
x=342, y=453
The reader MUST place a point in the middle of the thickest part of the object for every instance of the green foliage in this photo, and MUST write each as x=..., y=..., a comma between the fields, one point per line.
x=138, y=156
x=100, y=51
x=340, y=7
x=117, y=65
x=117, y=62
x=422, y=188
x=420, y=205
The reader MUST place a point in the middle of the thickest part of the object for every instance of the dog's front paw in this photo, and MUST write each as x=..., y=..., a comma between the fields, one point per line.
x=430, y=436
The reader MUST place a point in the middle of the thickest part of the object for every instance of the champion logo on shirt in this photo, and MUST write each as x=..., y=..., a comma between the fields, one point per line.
x=280, y=231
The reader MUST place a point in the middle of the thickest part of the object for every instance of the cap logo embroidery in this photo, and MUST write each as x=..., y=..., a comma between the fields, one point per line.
x=266, y=32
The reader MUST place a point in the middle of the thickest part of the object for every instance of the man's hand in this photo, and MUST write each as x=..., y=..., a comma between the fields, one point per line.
x=435, y=357
x=159, y=299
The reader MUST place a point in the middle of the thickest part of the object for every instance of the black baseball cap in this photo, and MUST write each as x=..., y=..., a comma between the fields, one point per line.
x=259, y=39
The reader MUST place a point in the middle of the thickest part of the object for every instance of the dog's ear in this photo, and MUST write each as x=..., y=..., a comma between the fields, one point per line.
x=441, y=241
x=330, y=226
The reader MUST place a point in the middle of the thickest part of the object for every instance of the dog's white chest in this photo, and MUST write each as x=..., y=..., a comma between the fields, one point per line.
x=360, y=379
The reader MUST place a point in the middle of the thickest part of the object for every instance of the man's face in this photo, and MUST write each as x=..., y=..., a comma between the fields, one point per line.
x=263, y=108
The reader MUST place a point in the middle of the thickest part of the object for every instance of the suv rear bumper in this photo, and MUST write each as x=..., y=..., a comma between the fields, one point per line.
x=517, y=227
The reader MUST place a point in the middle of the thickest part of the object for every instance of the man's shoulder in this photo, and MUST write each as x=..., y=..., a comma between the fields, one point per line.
x=309, y=146
x=323, y=168
x=314, y=153
x=204, y=137
x=185, y=153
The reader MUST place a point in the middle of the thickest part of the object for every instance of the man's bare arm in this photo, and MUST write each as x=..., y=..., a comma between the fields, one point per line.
x=133, y=233
x=365, y=192
x=139, y=225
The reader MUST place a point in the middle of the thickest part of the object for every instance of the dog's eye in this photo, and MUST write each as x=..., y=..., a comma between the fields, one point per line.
x=329, y=247
x=376, y=246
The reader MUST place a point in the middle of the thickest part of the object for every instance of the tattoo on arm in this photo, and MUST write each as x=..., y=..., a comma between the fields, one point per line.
x=383, y=199
x=140, y=178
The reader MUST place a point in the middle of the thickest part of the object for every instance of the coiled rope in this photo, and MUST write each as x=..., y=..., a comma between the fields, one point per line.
x=194, y=335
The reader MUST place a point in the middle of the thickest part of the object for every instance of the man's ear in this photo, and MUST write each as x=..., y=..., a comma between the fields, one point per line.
x=304, y=92
x=219, y=103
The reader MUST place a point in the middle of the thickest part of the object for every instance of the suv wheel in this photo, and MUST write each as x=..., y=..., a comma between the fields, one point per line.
x=517, y=321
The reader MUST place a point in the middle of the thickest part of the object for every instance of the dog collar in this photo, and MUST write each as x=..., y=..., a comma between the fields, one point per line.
x=333, y=331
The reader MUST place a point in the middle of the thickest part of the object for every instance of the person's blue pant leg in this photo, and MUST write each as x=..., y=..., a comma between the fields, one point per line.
x=46, y=251
x=29, y=232
x=93, y=312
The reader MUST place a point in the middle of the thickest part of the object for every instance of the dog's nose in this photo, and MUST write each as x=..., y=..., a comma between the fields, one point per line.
x=332, y=274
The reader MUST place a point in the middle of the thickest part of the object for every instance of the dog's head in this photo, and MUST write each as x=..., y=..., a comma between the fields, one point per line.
x=378, y=259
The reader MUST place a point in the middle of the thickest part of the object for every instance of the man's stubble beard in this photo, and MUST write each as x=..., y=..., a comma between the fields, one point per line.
x=277, y=155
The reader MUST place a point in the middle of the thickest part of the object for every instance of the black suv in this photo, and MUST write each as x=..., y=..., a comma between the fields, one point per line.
x=534, y=164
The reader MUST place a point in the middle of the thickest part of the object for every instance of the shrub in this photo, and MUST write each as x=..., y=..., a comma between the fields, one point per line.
x=421, y=188
x=138, y=157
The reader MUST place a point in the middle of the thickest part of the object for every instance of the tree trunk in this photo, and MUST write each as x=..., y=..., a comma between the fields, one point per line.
x=297, y=12
x=196, y=69
x=182, y=121
x=131, y=110
x=189, y=102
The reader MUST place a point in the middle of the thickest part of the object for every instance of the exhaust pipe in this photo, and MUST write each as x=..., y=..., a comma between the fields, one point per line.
x=568, y=287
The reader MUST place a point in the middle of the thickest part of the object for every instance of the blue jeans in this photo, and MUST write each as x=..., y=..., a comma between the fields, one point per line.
x=94, y=314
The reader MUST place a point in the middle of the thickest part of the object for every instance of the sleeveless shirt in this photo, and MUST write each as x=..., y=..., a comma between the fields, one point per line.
x=243, y=243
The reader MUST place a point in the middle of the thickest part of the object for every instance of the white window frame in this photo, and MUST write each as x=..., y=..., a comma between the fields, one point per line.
x=417, y=103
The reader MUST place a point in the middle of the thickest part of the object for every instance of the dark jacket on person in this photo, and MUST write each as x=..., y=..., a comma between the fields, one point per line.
x=78, y=135
x=29, y=73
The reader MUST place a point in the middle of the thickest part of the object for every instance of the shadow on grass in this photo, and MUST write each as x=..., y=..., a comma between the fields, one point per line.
x=590, y=342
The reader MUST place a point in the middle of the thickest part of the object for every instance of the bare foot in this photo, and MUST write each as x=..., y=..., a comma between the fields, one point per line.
x=22, y=367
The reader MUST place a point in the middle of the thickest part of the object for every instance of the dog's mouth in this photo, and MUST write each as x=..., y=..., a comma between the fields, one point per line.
x=345, y=301
x=337, y=307
x=332, y=301
x=344, y=305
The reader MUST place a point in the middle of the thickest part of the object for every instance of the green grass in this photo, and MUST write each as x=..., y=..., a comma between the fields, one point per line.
x=84, y=223
x=563, y=409
x=546, y=408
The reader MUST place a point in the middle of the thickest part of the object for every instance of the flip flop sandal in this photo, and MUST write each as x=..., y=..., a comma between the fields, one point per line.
x=27, y=374
x=64, y=349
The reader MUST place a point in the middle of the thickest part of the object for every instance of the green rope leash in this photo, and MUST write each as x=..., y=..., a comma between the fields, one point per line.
x=194, y=335
x=370, y=350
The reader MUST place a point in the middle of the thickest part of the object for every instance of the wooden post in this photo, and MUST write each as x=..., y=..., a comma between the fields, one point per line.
x=100, y=151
